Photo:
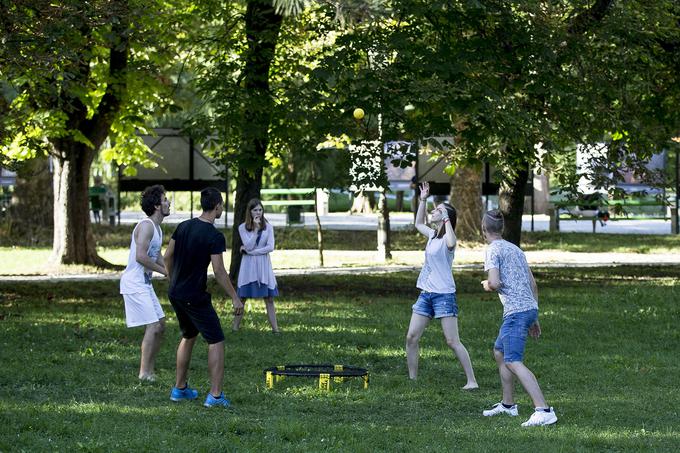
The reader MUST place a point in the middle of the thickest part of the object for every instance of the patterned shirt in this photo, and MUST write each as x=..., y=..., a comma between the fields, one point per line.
x=515, y=291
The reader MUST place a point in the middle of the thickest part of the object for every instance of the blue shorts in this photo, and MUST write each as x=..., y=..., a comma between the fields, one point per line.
x=436, y=305
x=513, y=335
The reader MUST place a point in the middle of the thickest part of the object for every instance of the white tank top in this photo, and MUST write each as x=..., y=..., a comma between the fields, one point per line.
x=136, y=278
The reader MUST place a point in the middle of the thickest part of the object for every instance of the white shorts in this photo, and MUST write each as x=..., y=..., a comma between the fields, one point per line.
x=142, y=308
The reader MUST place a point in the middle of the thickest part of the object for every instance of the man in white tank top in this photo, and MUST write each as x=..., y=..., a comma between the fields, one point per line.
x=142, y=307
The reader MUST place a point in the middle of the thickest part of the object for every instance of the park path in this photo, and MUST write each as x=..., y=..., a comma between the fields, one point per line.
x=409, y=261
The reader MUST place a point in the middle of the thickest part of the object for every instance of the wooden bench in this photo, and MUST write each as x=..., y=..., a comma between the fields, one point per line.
x=292, y=216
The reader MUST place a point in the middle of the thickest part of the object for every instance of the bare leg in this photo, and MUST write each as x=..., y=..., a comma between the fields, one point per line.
x=216, y=367
x=186, y=346
x=236, y=323
x=415, y=331
x=271, y=313
x=151, y=343
x=450, y=328
x=529, y=382
x=506, y=378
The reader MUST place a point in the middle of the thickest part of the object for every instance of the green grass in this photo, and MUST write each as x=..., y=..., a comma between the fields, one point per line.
x=607, y=361
x=295, y=248
x=600, y=243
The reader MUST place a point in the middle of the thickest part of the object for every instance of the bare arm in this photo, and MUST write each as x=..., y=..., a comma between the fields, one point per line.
x=422, y=207
x=493, y=281
x=169, y=256
x=534, y=287
x=143, y=235
x=535, y=328
x=223, y=280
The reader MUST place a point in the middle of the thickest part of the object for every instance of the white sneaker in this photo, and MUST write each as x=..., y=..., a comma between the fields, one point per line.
x=498, y=408
x=541, y=418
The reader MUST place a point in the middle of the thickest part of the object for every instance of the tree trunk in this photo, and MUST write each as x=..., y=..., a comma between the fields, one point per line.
x=73, y=240
x=466, y=197
x=262, y=32
x=247, y=188
x=511, y=204
x=384, y=248
x=319, y=230
x=361, y=204
x=400, y=201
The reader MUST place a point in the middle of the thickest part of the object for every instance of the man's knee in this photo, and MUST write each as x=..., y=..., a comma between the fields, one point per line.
x=157, y=328
x=514, y=366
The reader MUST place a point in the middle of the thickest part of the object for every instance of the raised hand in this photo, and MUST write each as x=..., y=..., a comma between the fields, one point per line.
x=424, y=190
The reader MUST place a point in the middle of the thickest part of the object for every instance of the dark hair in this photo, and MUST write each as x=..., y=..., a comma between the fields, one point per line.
x=152, y=197
x=210, y=198
x=252, y=204
x=453, y=219
x=493, y=222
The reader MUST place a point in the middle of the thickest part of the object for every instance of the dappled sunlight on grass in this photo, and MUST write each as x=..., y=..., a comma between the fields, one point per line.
x=606, y=361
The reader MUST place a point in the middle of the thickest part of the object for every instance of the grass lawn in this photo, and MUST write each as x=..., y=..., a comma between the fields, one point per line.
x=295, y=248
x=607, y=362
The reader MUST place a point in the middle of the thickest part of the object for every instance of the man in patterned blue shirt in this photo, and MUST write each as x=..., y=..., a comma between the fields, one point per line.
x=510, y=276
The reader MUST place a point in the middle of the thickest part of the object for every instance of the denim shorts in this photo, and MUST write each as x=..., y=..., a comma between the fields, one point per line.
x=513, y=335
x=436, y=305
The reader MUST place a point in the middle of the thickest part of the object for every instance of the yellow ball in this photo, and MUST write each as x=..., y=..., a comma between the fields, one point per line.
x=358, y=113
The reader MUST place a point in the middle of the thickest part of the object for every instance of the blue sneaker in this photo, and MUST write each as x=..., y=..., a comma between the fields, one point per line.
x=187, y=393
x=211, y=401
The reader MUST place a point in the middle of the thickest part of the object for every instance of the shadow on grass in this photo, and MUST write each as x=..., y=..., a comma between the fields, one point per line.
x=606, y=361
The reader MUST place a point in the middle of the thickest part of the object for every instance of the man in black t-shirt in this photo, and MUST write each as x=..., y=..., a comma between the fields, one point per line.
x=194, y=245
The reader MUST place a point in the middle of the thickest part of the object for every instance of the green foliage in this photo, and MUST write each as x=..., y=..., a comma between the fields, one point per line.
x=79, y=388
x=56, y=90
x=504, y=77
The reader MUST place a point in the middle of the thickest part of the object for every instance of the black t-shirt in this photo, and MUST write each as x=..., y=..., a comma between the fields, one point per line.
x=195, y=241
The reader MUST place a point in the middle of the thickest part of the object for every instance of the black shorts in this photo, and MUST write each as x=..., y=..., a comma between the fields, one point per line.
x=198, y=316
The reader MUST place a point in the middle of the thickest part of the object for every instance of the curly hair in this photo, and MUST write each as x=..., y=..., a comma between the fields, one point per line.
x=152, y=197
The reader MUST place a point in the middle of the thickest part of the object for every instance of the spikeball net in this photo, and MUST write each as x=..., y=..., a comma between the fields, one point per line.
x=324, y=373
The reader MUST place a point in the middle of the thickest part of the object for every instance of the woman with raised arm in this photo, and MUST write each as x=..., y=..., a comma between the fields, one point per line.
x=438, y=290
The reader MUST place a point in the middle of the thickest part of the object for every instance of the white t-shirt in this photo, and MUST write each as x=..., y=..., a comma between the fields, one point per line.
x=136, y=278
x=515, y=292
x=435, y=275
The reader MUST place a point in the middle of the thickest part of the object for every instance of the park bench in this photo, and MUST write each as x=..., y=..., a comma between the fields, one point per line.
x=293, y=206
x=600, y=210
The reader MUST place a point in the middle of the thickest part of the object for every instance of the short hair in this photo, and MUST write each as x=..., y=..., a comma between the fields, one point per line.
x=152, y=197
x=493, y=222
x=453, y=219
x=210, y=198
x=253, y=203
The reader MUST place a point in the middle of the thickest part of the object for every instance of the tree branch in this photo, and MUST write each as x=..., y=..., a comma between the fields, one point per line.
x=585, y=20
x=97, y=129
